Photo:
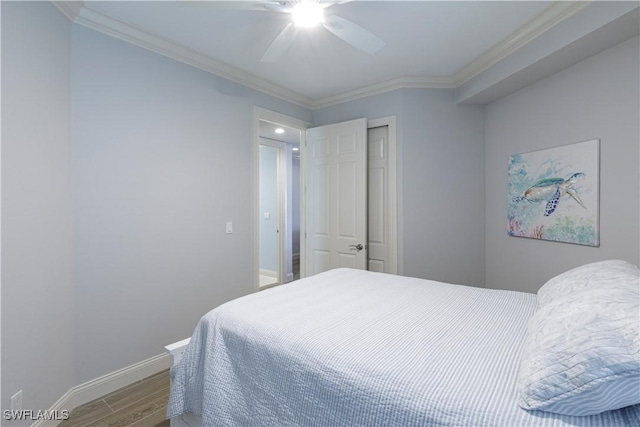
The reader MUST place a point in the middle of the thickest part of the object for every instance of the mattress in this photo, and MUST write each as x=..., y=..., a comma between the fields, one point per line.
x=357, y=348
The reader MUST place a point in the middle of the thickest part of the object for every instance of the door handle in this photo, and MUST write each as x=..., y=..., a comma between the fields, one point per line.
x=357, y=247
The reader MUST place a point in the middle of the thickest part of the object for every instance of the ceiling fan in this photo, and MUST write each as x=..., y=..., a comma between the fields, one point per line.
x=311, y=13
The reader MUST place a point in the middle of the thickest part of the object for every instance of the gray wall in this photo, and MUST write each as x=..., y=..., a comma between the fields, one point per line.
x=37, y=252
x=597, y=98
x=162, y=159
x=268, y=202
x=443, y=169
x=440, y=180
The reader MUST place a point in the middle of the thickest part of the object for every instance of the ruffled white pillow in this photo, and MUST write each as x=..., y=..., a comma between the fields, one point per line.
x=582, y=353
x=585, y=276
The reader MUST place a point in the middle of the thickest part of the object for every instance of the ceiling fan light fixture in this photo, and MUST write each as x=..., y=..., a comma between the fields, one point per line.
x=308, y=14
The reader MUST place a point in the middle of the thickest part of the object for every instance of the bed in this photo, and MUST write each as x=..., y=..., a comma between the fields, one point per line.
x=356, y=348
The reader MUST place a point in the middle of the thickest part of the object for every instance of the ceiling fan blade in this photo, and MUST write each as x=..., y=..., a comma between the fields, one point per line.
x=280, y=44
x=353, y=34
x=231, y=5
x=327, y=3
x=277, y=7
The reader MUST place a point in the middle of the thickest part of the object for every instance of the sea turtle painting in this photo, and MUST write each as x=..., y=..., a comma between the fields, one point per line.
x=553, y=194
x=551, y=190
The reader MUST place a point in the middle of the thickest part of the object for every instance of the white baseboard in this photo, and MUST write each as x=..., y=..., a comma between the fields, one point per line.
x=106, y=384
x=91, y=390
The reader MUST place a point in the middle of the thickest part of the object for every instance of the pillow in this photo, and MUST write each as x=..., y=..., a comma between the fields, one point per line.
x=585, y=276
x=582, y=351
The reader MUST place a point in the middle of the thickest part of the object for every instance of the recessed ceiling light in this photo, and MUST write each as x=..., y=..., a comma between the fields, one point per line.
x=295, y=149
x=279, y=130
x=308, y=14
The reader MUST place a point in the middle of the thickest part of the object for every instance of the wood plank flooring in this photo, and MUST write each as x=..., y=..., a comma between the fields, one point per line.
x=141, y=404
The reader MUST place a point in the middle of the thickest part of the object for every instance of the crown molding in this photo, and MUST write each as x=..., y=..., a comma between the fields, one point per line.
x=78, y=12
x=70, y=9
x=550, y=17
x=129, y=33
x=422, y=82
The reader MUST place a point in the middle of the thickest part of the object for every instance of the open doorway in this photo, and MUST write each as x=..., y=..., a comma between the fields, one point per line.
x=278, y=215
x=383, y=225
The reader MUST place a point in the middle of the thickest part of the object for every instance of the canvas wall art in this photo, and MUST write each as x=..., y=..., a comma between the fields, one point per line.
x=553, y=194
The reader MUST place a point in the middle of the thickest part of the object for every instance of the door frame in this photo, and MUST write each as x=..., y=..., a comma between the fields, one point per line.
x=262, y=114
x=390, y=122
x=280, y=214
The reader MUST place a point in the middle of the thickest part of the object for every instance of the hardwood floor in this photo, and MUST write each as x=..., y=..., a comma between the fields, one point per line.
x=142, y=404
x=296, y=267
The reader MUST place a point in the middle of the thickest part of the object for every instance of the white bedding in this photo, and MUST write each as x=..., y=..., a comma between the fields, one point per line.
x=355, y=348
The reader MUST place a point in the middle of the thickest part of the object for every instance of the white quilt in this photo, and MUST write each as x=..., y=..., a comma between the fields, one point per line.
x=355, y=348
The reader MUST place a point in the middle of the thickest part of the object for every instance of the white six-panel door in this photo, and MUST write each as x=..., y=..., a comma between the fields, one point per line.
x=336, y=197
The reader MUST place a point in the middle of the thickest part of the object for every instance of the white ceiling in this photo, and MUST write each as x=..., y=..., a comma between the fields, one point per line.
x=434, y=40
x=484, y=49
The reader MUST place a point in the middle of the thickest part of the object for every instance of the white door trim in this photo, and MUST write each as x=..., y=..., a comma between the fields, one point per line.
x=273, y=117
x=390, y=121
